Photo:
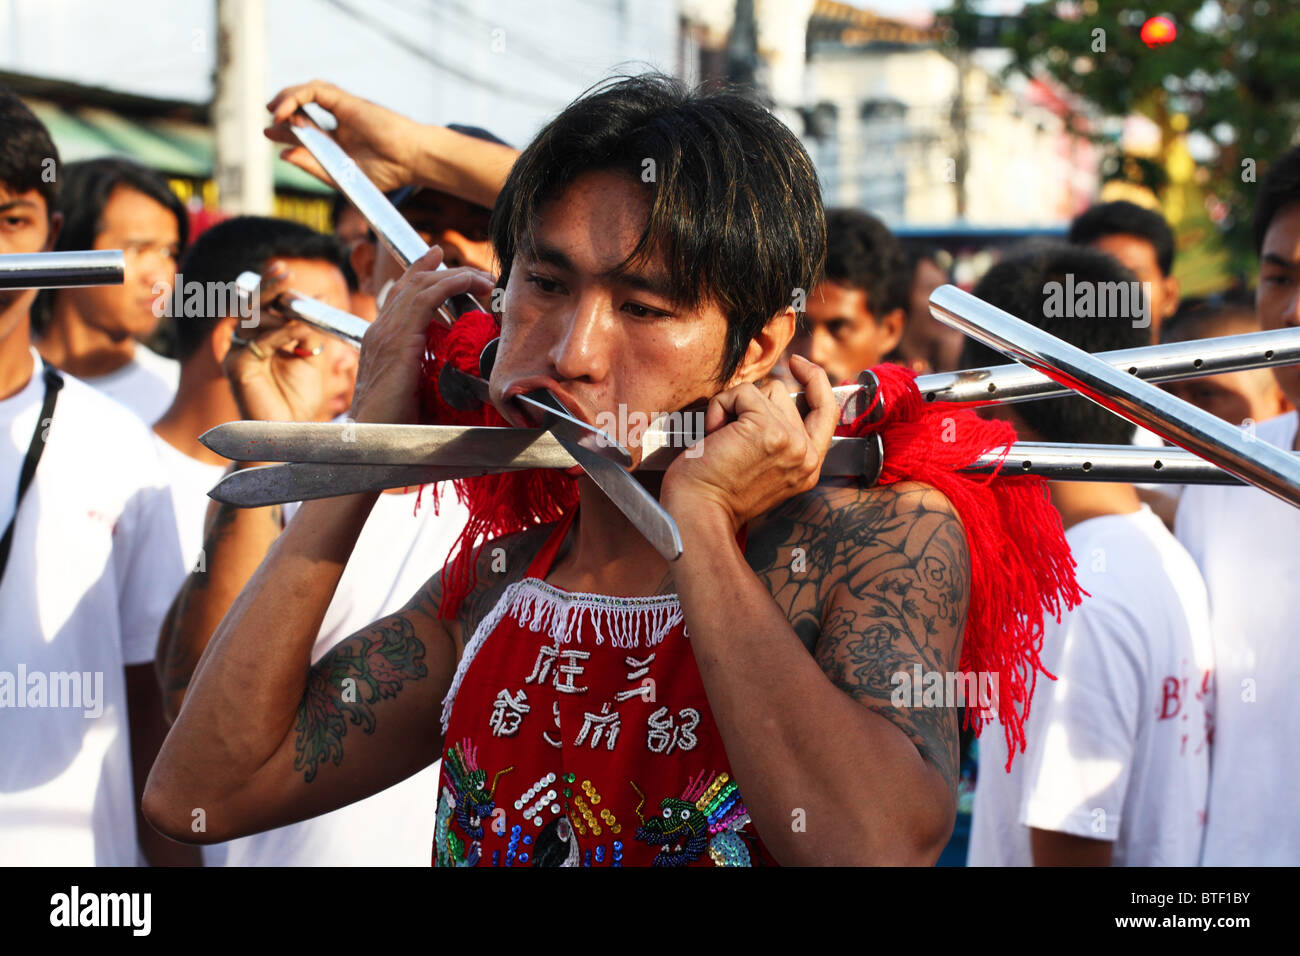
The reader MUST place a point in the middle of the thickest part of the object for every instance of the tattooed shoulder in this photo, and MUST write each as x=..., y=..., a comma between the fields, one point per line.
x=875, y=581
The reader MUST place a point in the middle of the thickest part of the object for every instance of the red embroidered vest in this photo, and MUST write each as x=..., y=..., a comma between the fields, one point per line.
x=577, y=733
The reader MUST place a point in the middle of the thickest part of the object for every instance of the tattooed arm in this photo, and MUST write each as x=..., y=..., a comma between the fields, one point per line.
x=266, y=739
x=797, y=656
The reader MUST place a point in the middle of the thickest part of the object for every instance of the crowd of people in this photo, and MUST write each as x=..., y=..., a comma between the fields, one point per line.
x=184, y=682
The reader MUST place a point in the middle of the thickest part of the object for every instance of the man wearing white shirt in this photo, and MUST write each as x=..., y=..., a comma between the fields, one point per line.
x=1116, y=767
x=1247, y=544
x=87, y=557
x=94, y=332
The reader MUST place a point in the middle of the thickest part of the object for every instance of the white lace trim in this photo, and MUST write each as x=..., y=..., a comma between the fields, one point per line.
x=626, y=622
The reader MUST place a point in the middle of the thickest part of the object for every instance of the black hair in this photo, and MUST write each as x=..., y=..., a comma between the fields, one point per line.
x=861, y=252
x=87, y=186
x=736, y=205
x=1126, y=219
x=1022, y=284
x=1210, y=318
x=28, y=157
x=242, y=244
x=1280, y=188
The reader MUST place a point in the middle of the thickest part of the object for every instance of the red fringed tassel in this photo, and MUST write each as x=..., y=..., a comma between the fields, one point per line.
x=498, y=504
x=1021, y=565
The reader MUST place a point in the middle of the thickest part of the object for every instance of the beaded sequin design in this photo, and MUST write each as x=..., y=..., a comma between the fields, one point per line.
x=464, y=805
x=588, y=702
x=706, y=818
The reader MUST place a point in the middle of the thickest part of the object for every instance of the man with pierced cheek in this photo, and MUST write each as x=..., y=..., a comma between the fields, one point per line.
x=592, y=703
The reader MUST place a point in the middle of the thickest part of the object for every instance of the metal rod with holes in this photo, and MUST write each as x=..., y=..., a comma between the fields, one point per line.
x=1065, y=462
x=1263, y=465
x=1151, y=363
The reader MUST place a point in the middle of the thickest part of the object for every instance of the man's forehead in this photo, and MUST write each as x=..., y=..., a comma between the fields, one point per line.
x=316, y=278
x=1282, y=240
x=29, y=199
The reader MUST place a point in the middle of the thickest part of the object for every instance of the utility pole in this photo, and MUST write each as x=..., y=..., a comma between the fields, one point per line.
x=243, y=155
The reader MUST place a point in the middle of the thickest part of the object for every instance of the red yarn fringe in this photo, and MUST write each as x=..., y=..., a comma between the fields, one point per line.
x=1021, y=565
x=498, y=504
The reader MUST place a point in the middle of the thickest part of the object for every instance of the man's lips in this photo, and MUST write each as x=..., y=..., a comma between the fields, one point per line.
x=530, y=417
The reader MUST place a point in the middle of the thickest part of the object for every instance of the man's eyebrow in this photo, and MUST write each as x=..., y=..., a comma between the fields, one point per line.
x=16, y=204
x=551, y=255
x=656, y=283
x=1273, y=259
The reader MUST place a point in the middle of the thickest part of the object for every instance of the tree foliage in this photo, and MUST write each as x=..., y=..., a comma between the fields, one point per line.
x=1233, y=72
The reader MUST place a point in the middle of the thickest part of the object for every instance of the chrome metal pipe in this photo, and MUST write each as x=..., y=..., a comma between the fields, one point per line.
x=1260, y=464
x=1065, y=462
x=1171, y=362
x=62, y=270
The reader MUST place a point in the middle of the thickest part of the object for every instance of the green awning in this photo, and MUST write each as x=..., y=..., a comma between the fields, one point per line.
x=173, y=147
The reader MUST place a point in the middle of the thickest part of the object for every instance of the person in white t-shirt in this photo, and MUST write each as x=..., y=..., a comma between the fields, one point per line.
x=397, y=548
x=89, y=560
x=1116, y=766
x=95, y=332
x=203, y=400
x=1247, y=544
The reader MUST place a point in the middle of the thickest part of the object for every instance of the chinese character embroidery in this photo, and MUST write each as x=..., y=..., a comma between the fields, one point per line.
x=507, y=713
x=602, y=724
x=663, y=733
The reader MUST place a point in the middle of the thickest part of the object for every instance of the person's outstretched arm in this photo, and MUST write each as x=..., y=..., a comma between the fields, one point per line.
x=392, y=150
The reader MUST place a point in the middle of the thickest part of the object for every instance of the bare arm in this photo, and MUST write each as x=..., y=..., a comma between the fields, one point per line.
x=237, y=540
x=259, y=742
x=1051, y=848
x=145, y=719
x=831, y=771
x=393, y=150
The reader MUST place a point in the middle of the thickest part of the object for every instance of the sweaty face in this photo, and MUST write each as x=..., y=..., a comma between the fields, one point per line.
x=1139, y=257
x=147, y=234
x=1277, y=297
x=844, y=337
x=602, y=335
x=24, y=228
x=323, y=281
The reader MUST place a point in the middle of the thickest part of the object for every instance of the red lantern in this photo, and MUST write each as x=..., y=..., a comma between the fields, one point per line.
x=1158, y=31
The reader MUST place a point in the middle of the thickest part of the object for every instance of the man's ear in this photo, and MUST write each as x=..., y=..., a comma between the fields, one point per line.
x=1173, y=292
x=891, y=330
x=363, y=265
x=56, y=226
x=766, y=348
x=219, y=338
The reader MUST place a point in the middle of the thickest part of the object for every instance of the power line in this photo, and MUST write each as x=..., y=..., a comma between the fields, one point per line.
x=392, y=36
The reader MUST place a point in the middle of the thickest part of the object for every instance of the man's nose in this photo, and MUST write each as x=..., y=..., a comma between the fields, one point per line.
x=1291, y=315
x=821, y=348
x=580, y=350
